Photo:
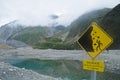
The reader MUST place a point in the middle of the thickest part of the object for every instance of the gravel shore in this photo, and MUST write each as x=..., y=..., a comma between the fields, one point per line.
x=8, y=72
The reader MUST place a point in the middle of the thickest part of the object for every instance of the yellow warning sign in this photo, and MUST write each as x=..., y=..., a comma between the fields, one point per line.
x=94, y=40
x=93, y=65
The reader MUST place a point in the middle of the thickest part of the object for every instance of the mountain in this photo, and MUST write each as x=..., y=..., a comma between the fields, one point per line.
x=61, y=37
x=108, y=19
x=30, y=35
x=70, y=35
x=80, y=24
x=35, y=34
x=58, y=37
x=7, y=30
x=111, y=24
x=17, y=35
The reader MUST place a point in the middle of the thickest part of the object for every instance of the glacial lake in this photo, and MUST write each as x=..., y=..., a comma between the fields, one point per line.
x=65, y=69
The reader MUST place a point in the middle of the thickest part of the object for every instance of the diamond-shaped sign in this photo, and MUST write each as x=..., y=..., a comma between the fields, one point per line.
x=94, y=40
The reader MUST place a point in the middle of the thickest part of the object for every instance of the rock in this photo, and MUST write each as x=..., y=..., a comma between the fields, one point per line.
x=9, y=72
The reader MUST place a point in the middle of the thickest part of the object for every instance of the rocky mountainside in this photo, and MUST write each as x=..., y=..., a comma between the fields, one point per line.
x=108, y=19
x=17, y=35
x=60, y=37
x=32, y=35
x=111, y=24
x=7, y=30
x=80, y=24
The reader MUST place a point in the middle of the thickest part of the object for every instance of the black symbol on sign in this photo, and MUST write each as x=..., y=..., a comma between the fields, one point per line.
x=86, y=40
x=96, y=42
x=99, y=44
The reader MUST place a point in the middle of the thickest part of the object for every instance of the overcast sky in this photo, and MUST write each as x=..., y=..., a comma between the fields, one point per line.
x=38, y=12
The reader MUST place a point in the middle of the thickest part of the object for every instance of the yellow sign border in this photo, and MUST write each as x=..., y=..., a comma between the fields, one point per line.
x=101, y=30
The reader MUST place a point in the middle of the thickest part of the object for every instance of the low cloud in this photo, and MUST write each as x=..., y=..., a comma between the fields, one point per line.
x=35, y=12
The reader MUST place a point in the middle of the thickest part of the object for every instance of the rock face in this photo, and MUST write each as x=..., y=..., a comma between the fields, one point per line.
x=113, y=17
x=111, y=24
x=18, y=35
x=8, y=72
x=80, y=24
x=7, y=31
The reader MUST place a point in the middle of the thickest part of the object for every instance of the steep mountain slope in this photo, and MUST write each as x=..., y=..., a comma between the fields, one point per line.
x=30, y=35
x=79, y=25
x=61, y=37
x=70, y=35
x=7, y=30
x=111, y=23
x=108, y=19
x=38, y=35
x=58, y=37
x=17, y=35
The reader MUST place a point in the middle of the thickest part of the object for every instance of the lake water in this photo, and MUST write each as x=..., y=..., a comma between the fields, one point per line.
x=66, y=69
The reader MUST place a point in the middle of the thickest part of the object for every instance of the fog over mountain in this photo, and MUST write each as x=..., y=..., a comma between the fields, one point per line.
x=58, y=36
x=37, y=12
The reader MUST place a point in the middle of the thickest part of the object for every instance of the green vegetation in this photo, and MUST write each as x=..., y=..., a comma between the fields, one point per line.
x=54, y=43
x=36, y=36
x=65, y=38
x=31, y=35
x=108, y=19
x=80, y=24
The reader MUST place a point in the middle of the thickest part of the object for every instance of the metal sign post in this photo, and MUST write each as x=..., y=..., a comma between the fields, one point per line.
x=93, y=75
x=94, y=40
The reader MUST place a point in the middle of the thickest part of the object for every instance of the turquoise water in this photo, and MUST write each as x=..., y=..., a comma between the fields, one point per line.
x=66, y=69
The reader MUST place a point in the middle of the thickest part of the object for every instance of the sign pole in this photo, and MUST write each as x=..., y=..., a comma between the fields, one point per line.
x=93, y=75
x=94, y=40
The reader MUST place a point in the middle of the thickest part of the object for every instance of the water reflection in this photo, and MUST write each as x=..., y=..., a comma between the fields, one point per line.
x=66, y=69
